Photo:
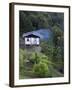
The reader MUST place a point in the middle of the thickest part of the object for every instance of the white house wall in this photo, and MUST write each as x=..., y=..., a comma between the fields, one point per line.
x=38, y=41
x=35, y=41
x=32, y=41
x=27, y=42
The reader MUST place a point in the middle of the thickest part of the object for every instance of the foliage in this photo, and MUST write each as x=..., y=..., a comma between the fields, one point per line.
x=40, y=70
x=22, y=57
x=58, y=43
x=38, y=57
x=54, y=49
x=58, y=35
x=49, y=62
x=30, y=21
x=47, y=48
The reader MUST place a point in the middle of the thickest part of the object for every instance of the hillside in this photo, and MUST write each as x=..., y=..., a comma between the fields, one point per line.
x=47, y=59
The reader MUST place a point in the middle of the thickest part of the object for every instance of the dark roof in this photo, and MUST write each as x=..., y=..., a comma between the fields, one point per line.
x=43, y=34
x=32, y=35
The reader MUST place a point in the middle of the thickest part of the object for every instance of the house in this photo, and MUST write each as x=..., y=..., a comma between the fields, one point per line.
x=31, y=39
x=34, y=37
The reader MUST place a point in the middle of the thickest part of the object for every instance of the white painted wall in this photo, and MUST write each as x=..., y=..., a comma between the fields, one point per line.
x=32, y=41
x=4, y=45
x=27, y=42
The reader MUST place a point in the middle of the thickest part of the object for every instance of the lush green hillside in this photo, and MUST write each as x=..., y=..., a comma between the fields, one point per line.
x=47, y=60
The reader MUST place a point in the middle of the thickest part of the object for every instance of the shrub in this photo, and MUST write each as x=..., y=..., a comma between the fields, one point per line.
x=38, y=57
x=32, y=57
x=22, y=57
x=40, y=70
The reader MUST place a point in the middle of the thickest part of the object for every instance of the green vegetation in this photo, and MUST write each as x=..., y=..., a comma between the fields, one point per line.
x=49, y=62
x=36, y=61
x=34, y=64
x=40, y=70
x=30, y=21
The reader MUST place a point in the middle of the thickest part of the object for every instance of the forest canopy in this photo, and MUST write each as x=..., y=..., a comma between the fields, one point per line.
x=31, y=20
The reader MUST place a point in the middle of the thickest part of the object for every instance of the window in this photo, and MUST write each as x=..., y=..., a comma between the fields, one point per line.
x=27, y=39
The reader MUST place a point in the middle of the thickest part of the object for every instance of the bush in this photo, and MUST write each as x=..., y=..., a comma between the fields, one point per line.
x=47, y=48
x=32, y=57
x=40, y=70
x=22, y=57
x=38, y=57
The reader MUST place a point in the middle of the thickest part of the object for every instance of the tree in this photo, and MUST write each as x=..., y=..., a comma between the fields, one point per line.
x=47, y=48
x=58, y=50
x=22, y=57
